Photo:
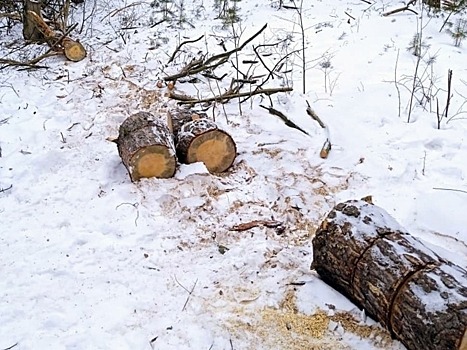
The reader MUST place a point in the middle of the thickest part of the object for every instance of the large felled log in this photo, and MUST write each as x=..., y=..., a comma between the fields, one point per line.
x=420, y=297
x=146, y=147
x=201, y=141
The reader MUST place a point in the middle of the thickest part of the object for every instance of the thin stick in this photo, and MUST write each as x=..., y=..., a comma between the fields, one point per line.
x=213, y=61
x=11, y=347
x=405, y=8
x=449, y=189
x=188, y=291
x=180, y=46
x=396, y=84
x=286, y=120
x=313, y=114
x=6, y=189
x=449, y=93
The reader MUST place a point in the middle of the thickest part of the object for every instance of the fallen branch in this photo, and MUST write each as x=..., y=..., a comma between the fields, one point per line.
x=449, y=189
x=11, y=347
x=180, y=46
x=405, y=8
x=6, y=189
x=212, y=62
x=226, y=97
x=286, y=120
x=72, y=49
x=255, y=223
x=324, y=153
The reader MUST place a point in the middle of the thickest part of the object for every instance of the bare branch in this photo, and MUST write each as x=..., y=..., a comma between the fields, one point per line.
x=226, y=97
x=180, y=46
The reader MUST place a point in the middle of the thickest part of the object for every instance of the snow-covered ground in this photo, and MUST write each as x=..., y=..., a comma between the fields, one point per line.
x=90, y=260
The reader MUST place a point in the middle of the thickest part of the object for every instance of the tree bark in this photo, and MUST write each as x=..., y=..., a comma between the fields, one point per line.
x=420, y=297
x=30, y=31
x=201, y=141
x=146, y=147
x=176, y=118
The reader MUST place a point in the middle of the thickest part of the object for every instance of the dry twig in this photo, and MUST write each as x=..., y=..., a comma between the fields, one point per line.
x=405, y=8
x=180, y=46
x=286, y=120
x=212, y=62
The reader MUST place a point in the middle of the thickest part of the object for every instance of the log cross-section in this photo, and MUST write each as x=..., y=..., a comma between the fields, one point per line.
x=146, y=147
x=202, y=141
x=421, y=298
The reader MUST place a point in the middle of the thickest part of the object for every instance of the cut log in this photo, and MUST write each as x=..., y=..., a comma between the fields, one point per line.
x=146, y=147
x=201, y=141
x=72, y=49
x=176, y=118
x=421, y=298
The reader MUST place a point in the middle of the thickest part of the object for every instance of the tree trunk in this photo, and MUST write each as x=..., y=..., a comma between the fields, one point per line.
x=34, y=23
x=201, y=141
x=421, y=298
x=30, y=31
x=146, y=147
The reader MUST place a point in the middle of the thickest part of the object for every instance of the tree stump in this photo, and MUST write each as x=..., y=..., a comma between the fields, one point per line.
x=201, y=141
x=420, y=297
x=146, y=147
x=30, y=31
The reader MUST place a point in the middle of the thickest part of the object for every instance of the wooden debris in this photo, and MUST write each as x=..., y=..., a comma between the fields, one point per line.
x=146, y=147
x=401, y=9
x=418, y=296
x=255, y=223
x=226, y=97
x=201, y=141
x=324, y=153
x=72, y=49
x=284, y=118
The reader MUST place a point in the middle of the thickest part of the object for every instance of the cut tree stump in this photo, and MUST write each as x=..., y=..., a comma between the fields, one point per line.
x=201, y=141
x=421, y=298
x=146, y=147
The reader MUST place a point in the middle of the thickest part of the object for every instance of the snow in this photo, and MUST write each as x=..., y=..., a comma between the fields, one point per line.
x=90, y=260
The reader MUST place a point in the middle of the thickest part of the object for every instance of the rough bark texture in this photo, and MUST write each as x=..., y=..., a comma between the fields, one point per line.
x=420, y=297
x=146, y=147
x=30, y=31
x=201, y=141
x=180, y=116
